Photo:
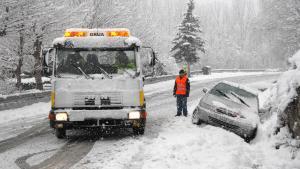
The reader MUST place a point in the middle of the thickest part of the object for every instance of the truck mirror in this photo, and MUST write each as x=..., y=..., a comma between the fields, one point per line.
x=152, y=59
x=47, y=57
x=148, y=59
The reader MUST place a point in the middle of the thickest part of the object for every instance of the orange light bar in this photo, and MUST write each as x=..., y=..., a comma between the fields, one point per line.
x=75, y=34
x=118, y=33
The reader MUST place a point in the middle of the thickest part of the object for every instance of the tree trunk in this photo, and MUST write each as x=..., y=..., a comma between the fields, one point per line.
x=189, y=70
x=18, y=73
x=18, y=70
x=293, y=115
x=38, y=63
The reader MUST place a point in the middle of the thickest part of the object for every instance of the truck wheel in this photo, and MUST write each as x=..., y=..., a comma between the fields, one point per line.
x=60, y=133
x=139, y=131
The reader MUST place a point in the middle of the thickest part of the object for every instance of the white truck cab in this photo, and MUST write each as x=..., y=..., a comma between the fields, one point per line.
x=97, y=80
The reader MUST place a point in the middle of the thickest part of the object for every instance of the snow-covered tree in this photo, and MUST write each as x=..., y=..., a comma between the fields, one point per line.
x=188, y=41
x=279, y=23
x=27, y=27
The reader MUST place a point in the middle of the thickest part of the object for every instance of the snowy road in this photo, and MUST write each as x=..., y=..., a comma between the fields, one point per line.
x=168, y=142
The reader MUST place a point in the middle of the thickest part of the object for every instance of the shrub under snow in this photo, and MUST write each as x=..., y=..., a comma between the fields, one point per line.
x=280, y=95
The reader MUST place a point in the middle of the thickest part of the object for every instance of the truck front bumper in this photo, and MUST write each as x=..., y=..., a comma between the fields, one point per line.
x=100, y=124
x=99, y=119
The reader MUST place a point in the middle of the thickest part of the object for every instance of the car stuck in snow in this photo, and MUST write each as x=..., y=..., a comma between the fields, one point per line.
x=230, y=106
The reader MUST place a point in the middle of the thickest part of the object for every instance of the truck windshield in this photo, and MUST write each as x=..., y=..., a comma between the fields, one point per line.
x=95, y=63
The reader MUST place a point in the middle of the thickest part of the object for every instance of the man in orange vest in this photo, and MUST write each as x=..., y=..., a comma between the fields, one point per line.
x=181, y=92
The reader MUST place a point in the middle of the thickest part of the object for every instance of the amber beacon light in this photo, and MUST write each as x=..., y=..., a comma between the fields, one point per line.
x=118, y=33
x=75, y=34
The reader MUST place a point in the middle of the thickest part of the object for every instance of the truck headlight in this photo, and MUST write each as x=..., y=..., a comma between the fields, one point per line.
x=134, y=115
x=61, y=117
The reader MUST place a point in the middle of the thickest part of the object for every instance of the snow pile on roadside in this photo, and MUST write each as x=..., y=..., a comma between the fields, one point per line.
x=286, y=88
x=32, y=80
x=274, y=102
x=281, y=94
x=21, y=93
x=295, y=61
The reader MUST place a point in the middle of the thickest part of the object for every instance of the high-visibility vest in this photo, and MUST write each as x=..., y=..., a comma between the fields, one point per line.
x=181, y=85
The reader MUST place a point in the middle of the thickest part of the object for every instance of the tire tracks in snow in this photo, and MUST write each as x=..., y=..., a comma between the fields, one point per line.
x=72, y=152
x=76, y=148
x=34, y=131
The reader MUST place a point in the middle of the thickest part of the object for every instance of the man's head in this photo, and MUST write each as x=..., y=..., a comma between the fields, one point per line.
x=181, y=73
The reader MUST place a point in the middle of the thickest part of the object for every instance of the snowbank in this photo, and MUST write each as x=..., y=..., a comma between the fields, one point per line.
x=22, y=93
x=31, y=80
x=275, y=101
x=281, y=94
x=295, y=61
x=286, y=88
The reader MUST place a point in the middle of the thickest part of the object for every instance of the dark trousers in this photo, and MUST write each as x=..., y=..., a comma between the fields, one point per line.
x=181, y=105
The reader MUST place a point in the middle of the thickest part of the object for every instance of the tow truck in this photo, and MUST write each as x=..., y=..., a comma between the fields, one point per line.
x=97, y=80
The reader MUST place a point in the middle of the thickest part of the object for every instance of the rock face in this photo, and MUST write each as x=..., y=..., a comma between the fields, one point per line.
x=293, y=115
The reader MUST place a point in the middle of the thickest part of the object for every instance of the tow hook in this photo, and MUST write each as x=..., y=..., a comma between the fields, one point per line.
x=136, y=123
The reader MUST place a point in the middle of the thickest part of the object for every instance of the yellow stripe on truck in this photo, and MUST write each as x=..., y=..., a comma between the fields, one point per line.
x=52, y=99
x=142, y=98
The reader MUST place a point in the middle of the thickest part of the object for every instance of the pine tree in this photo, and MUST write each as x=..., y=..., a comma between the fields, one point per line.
x=188, y=40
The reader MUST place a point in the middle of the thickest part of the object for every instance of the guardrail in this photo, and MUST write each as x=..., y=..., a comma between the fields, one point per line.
x=20, y=100
x=156, y=79
x=241, y=70
x=152, y=80
x=23, y=99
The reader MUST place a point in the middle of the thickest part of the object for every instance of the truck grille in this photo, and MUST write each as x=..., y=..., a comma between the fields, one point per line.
x=223, y=124
x=107, y=99
x=111, y=98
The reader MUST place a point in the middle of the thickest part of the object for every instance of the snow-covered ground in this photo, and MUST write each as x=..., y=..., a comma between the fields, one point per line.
x=182, y=145
x=169, y=142
x=15, y=121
